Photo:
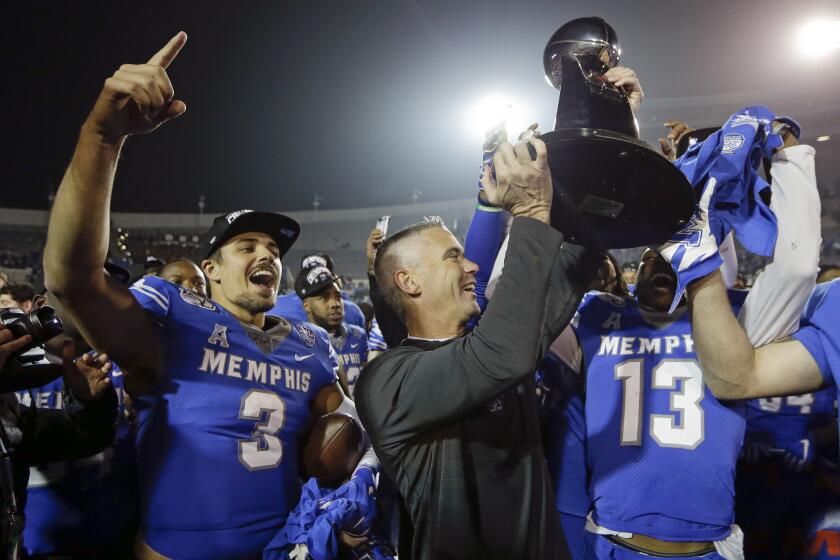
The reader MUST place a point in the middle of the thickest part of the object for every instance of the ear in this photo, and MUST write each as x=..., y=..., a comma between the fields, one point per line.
x=38, y=301
x=306, y=306
x=407, y=282
x=211, y=270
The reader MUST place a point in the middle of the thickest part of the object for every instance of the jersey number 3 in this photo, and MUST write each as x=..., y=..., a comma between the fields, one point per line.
x=265, y=450
x=667, y=430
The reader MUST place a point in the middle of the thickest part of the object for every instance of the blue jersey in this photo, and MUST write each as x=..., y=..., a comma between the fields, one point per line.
x=565, y=433
x=290, y=306
x=660, y=448
x=81, y=507
x=786, y=424
x=376, y=342
x=819, y=331
x=218, y=435
x=352, y=350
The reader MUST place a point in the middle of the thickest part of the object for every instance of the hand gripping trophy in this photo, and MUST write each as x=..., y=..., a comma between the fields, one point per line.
x=611, y=190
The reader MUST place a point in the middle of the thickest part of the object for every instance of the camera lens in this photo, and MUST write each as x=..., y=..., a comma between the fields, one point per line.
x=46, y=324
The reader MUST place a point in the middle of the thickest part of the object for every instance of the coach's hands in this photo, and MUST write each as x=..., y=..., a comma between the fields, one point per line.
x=522, y=184
x=138, y=98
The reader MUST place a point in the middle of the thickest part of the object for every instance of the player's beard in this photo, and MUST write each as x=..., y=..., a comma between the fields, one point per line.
x=253, y=304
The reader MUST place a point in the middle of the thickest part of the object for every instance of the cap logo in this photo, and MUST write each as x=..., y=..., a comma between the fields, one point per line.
x=317, y=273
x=313, y=260
x=212, y=240
x=288, y=232
x=233, y=215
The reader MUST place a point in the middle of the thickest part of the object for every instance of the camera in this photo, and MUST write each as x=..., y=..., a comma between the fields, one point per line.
x=42, y=324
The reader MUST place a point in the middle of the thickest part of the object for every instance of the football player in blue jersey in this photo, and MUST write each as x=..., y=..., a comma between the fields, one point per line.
x=290, y=306
x=184, y=272
x=806, y=362
x=318, y=290
x=224, y=392
x=652, y=434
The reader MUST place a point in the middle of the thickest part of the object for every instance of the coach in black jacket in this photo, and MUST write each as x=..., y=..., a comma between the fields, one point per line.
x=453, y=415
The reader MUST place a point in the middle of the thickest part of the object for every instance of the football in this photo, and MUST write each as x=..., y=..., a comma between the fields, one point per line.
x=333, y=450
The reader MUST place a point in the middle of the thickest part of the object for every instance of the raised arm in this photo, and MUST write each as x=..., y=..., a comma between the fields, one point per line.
x=135, y=100
x=732, y=368
x=428, y=388
x=773, y=306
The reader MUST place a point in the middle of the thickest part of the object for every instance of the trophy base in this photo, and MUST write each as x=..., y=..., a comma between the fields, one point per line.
x=612, y=191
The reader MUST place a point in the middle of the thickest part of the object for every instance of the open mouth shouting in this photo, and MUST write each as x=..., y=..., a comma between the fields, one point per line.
x=264, y=277
x=662, y=281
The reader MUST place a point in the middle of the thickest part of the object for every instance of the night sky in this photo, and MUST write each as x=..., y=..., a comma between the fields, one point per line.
x=364, y=102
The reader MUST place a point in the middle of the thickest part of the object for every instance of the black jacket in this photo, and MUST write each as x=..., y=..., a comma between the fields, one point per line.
x=455, y=423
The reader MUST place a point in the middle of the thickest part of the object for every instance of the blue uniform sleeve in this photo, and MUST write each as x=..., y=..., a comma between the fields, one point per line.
x=812, y=339
x=376, y=342
x=333, y=358
x=819, y=333
x=484, y=238
x=328, y=352
x=153, y=294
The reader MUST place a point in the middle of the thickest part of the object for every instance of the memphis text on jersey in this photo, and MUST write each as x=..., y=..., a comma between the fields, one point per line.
x=220, y=362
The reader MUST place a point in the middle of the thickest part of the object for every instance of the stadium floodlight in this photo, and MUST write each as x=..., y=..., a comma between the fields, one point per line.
x=818, y=38
x=491, y=110
x=823, y=138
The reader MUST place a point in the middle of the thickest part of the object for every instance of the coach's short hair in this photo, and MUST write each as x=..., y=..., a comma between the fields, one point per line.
x=388, y=260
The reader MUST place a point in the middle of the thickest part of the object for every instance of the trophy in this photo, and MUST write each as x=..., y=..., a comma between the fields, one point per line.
x=611, y=190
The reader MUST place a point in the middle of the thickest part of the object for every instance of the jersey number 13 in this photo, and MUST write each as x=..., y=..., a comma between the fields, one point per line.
x=667, y=430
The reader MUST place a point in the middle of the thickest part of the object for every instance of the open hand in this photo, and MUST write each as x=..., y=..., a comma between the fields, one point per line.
x=138, y=98
x=668, y=145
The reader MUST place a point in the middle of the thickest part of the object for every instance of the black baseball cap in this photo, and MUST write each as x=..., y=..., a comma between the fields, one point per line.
x=311, y=281
x=119, y=273
x=316, y=259
x=282, y=229
x=152, y=262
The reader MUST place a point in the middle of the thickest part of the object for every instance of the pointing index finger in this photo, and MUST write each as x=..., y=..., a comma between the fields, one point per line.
x=167, y=54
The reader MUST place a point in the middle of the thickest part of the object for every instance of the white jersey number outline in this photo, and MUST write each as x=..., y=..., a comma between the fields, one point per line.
x=684, y=429
x=265, y=450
